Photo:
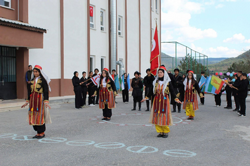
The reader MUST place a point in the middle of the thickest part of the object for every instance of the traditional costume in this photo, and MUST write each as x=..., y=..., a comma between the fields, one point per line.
x=38, y=114
x=137, y=86
x=161, y=113
x=107, y=92
x=148, y=83
x=190, y=97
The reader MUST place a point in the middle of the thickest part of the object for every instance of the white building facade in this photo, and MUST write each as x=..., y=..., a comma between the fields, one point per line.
x=77, y=37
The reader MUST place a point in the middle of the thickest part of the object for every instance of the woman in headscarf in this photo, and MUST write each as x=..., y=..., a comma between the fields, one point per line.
x=107, y=93
x=38, y=100
x=190, y=98
x=161, y=113
x=78, y=90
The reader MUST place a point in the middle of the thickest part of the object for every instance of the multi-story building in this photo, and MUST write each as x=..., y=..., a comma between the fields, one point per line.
x=64, y=36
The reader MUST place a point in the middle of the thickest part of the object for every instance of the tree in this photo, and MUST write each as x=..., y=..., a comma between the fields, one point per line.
x=190, y=63
x=240, y=66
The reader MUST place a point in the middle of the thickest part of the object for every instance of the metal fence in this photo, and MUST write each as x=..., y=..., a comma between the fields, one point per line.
x=177, y=55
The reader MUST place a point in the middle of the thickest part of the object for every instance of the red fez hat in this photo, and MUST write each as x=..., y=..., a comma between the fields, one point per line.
x=216, y=74
x=235, y=73
x=38, y=67
x=162, y=67
x=105, y=69
x=191, y=71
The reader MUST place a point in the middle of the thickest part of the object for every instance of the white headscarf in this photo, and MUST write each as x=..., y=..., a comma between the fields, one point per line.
x=44, y=76
x=166, y=80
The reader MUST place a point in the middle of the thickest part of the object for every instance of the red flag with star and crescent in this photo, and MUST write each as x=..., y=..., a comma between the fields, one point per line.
x=155, y=52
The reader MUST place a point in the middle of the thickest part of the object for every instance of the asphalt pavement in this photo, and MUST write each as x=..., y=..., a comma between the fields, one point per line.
x=217, y=136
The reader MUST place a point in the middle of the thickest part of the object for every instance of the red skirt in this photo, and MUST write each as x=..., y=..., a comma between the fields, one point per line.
x=106, y=97
x=36, y=109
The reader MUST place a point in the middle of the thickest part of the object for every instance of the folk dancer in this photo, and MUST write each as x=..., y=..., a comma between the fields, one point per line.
x=38, y=100
x=191, y=88
x=161, y=113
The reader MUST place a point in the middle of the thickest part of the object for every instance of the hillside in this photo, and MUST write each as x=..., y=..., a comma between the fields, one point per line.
x=167, y=60
x=223, y=65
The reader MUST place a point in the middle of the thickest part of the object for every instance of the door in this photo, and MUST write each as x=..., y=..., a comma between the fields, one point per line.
x=7, y=73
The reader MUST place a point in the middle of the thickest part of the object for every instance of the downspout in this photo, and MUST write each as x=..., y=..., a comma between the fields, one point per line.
x=113, y=33
x=17, y=10
x=121, y=67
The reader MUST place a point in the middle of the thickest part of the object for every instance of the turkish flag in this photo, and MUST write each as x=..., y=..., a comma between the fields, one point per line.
x=91, y=11
x=155, y=52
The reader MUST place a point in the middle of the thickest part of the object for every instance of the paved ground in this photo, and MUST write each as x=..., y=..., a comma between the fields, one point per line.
x=78, y=137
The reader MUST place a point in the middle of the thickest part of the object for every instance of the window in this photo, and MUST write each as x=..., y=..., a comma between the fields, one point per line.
x=102, y=63
x=156, y=6
x=6, y=3
x=152, y=5
x=91, y=14
x=92, y=63
x=102, y=16
x=120, y=25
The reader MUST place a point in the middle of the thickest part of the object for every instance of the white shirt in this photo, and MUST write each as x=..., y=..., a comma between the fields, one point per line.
x=37, y=78
x=160, y=82
x=104, y=83
x=189, y=84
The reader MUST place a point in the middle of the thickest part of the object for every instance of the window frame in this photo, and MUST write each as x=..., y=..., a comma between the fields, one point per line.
x=102, y=65
x=152, y=5
x=92, y=24
x=5, y=5
x=93, y=63
x=120, y=20
x=102, y=27
x=156, y=6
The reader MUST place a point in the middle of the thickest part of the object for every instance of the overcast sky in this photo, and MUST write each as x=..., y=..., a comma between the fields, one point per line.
x=218, y=28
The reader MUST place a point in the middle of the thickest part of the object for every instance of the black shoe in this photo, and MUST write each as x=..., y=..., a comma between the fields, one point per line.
x=229, y=107
x=226, y=107
x=190, y=118
x=173, y=111
x=35, y=136
x=40, y=137
x=159, y=135
x=236, y=110
x=165, y=136
x=179, y=111
x=139, y=109
x=108, y=119
x=147, y=110
x=104, y=118
x=133, y=109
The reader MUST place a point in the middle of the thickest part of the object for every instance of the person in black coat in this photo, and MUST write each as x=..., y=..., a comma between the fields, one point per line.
x=78, y=90
x=242, y=93
x=235, y=93
x=148, y=83
x=84, y=88
x=178, y=89
x=125, y=92
x=137, y=90
x=229, y=91
x=91, y=89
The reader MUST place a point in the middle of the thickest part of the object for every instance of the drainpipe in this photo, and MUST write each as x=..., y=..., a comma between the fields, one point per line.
x=113, y=33
x=17, y=10
x=121, y=67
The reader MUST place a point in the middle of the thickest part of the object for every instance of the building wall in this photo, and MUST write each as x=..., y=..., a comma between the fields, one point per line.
x=145, y=36
x=133, y=36
x=47, y=16
x=99, y=40
x=121, y=39
x=75, y=37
